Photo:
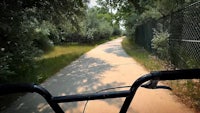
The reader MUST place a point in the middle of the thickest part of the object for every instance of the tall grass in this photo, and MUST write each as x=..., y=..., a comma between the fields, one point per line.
x=66, y=49
x=51, y=62
x=142, y=56
x=46, y=66
x=187, y=90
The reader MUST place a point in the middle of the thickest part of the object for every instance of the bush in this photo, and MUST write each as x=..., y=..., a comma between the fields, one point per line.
x=160, y=43
x=73, y=38
x=116, y=31
x=152, y=13
x=100, y=32
x=91, y=35
x=105, y=30
x=131, y=23
x=44, y=44
x=28, y=27
x=17, y=47
x=97, y=28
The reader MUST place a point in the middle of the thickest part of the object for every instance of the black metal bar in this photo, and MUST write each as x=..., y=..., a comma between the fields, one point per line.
x=133, y=90
x=176, y=74
x=127, y=101
x=129, y=94
x=48, y=97
x=92, y=96
x=159, y=75
x=16, y=88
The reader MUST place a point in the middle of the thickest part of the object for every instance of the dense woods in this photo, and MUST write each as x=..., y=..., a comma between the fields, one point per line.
x=30, y=28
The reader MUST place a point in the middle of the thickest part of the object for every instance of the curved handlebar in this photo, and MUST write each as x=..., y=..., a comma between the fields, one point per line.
x=168, y=75
x=155, y=75
x=177, y=74
x=26, y=87
x=129, y=94
x=16, y=88
x=159, y=75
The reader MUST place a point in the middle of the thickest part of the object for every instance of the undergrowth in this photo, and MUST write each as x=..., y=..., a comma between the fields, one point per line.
x=149, y=61
x=188, y=91
x=46, y=66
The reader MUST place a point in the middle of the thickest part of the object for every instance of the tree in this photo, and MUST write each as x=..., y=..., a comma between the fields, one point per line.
x=27, y=27
x=98, y=24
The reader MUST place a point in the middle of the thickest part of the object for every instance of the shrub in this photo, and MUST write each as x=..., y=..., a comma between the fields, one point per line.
x=131, y=24
x=97, y=27
x=90, y=34
x=152, y=13
x=105, y=30
x=160, y=43
x=17, y=47
x=116, y=31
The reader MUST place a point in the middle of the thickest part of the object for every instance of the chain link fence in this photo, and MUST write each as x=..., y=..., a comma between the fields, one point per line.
x=184, y=40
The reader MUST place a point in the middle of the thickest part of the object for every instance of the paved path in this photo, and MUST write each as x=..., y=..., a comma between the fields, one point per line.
x=105, y=66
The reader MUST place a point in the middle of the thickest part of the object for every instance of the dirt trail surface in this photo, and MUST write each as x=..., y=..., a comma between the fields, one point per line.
x=103, y=67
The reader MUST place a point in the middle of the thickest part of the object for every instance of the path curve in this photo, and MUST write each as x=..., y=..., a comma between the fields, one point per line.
x=105, y=66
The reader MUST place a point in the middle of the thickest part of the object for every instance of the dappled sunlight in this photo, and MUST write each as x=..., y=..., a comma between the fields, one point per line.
x=41, y=107
x=116, y=49
x=82, y=76
x=30, y=103
x=100, y=69
x=112, y=53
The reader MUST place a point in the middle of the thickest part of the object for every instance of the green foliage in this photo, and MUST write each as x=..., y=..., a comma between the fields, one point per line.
x=130, y=24
x=17, y=46
x=51, y=62
x=29, y=27
x=116, y=31
x=141, y=55
x=105, y=29
x=91, y=34
x=135, y=12
x=59, y=57
x=150, y=13
x=166, y=6
x=160, y=43
x=97, y=27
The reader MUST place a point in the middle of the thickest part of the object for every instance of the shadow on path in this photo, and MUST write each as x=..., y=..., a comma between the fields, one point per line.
x=117, y=50
x=82, y=76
